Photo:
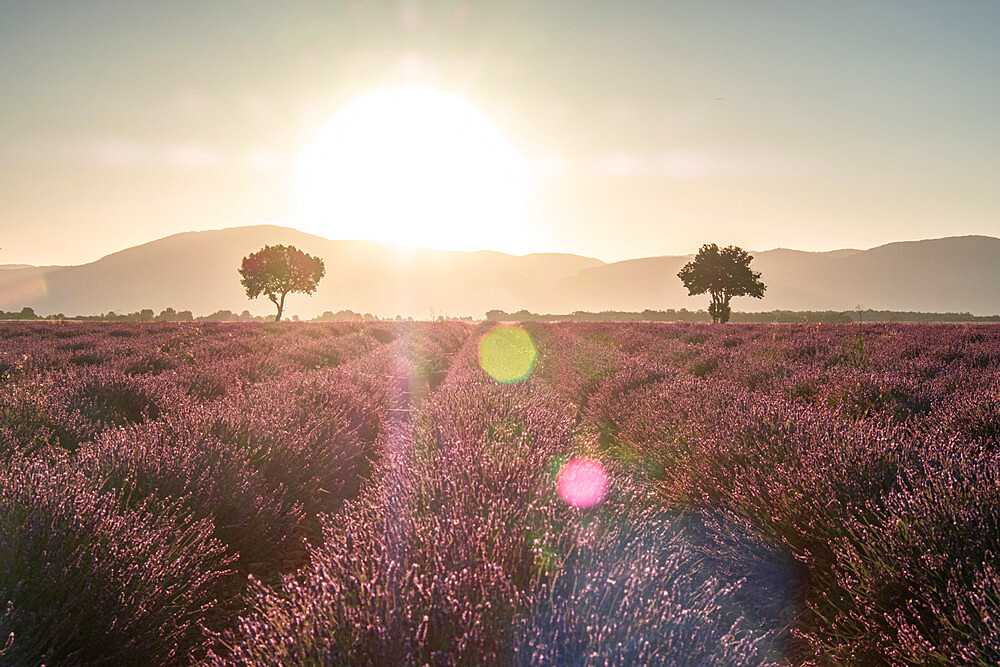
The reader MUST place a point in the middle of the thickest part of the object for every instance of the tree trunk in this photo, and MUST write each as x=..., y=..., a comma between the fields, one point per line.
x=281, y=307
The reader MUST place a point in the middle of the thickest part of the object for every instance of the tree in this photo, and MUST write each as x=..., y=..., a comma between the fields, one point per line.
x=276, y=270
x=724, y=274
x=168, y=314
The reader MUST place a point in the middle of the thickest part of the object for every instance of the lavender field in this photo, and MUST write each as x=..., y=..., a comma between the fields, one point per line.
x=378, y=493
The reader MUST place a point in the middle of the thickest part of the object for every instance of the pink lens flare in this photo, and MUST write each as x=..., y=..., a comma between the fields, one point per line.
x=582, y=482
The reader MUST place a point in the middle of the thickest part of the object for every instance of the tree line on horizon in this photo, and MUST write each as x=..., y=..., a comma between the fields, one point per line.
x=762, y=317
x=498, y=315
x=144, y=315
x=171, y=315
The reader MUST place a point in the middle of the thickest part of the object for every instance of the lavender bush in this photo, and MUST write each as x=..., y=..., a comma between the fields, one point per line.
x=365, y=493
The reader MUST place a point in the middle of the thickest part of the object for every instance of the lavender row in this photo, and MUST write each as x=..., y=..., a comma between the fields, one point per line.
x=123, y=489
x=866, y=457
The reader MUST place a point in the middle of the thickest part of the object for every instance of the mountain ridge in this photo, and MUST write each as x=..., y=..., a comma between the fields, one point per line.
x=197, y=270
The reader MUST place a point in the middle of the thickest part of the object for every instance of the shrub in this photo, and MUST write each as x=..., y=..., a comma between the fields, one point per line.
x=89, y=582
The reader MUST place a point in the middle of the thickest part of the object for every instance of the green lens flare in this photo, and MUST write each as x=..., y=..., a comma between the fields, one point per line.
x=508, y=354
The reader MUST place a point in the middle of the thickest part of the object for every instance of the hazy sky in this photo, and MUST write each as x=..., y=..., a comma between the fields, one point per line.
x=649, y=127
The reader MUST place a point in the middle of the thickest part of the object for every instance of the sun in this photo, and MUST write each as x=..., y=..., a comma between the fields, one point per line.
x=414, y=166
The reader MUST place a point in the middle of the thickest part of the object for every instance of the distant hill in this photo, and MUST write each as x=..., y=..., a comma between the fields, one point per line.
x=197, y=271
x=956, y=274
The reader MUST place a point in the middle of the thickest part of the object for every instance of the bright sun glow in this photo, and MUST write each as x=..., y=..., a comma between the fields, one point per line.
x=417, y=167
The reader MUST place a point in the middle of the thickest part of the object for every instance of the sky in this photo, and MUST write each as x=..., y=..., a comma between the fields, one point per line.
x=647, y=128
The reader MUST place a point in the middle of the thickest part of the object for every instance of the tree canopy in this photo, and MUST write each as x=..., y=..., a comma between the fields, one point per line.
x=276, y=270
x=723, y=273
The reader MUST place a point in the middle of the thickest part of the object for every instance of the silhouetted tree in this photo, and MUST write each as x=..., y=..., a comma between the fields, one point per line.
x=724, y=274
x=276, y=270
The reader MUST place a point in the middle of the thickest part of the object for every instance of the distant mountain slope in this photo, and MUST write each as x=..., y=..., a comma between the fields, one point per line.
x=955, y=274
x=198, y=271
